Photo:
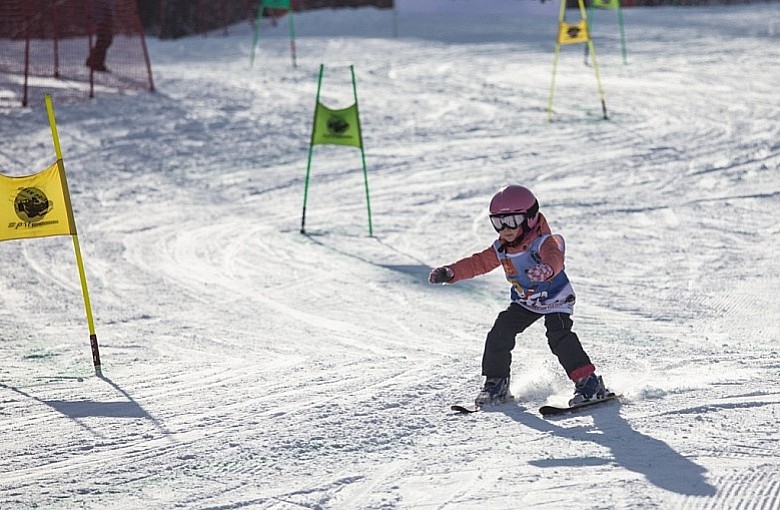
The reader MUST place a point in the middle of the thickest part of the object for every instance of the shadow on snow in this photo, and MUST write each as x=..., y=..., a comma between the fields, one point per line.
x=637, y=452
x=77, y=409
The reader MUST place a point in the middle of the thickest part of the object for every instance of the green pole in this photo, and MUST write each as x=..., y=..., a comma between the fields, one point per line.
x=592, y=49
x=598, y=79
x=622, y=34
x=257, y=33
x=622, y=30
x=311, y=145
x=362, y=153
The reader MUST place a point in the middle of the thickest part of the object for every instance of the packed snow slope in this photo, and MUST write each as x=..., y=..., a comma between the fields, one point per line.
x=246, y=365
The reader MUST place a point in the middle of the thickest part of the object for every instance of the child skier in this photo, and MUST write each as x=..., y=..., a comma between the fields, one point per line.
x=532, y=258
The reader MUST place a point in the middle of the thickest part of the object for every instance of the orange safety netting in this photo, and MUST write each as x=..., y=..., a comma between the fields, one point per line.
x=71, y=49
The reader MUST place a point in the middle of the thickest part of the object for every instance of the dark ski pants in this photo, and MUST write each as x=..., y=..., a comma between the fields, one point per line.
x=563, y=342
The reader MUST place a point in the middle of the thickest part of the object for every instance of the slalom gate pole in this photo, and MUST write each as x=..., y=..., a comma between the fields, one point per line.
x=362, y=152
x=613, y=5
x=592, y=48
x=622, y=34
x=257, y=33
x=25, y=95
x=311, y=146
x=561, y=17
x=552, y=86
x=79, y=262
x=292, y=36
x=586, y=49
x=598, y=78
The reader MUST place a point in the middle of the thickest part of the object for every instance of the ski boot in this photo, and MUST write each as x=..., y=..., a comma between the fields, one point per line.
x=587, y=389
x=495, y=391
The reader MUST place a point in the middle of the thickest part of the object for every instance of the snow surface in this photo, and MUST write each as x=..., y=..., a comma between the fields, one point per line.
x=249, y=366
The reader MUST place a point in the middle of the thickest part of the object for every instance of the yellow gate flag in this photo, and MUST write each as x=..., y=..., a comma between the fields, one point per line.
x=35, y=205
x=573, y=33
x=337, y=127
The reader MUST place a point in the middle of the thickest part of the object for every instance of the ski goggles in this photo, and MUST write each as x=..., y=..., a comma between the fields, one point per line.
x=502, y=221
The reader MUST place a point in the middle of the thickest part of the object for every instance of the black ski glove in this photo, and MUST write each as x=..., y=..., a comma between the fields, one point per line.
x=440, y=275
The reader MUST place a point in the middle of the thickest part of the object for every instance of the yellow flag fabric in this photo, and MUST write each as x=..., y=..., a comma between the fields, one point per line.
x=35, y=205
x=336, y=127
x=573, y=34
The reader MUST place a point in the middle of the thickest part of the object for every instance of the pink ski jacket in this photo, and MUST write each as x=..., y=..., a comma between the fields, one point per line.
x=487, y=260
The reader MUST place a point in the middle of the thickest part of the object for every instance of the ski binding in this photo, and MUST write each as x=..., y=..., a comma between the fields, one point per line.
x=556, y=410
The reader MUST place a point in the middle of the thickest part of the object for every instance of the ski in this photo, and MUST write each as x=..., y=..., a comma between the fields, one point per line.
x=555, y=410
x=465, y=409
x=469, y=409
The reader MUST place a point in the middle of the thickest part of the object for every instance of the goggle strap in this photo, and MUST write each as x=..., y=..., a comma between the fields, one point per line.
x=532, y=211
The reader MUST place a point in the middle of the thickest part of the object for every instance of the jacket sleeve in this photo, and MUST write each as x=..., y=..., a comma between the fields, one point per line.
x=475, y=265
x=552, y=252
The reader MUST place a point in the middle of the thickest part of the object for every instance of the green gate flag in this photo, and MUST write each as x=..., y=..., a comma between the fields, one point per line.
x=337, y=127
x=277, y=4
x=274, y=4
x=606, y=4
x=615, y=6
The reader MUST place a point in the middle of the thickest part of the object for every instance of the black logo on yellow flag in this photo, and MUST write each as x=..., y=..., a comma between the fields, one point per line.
x=34, y=205
x=573, y=33
x=338, y=127
x=31, y=205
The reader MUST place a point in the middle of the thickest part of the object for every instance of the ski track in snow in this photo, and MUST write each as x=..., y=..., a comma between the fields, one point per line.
x=249, y=366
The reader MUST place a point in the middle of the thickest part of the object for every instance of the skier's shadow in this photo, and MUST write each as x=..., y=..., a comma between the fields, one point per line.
x=634, y=451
